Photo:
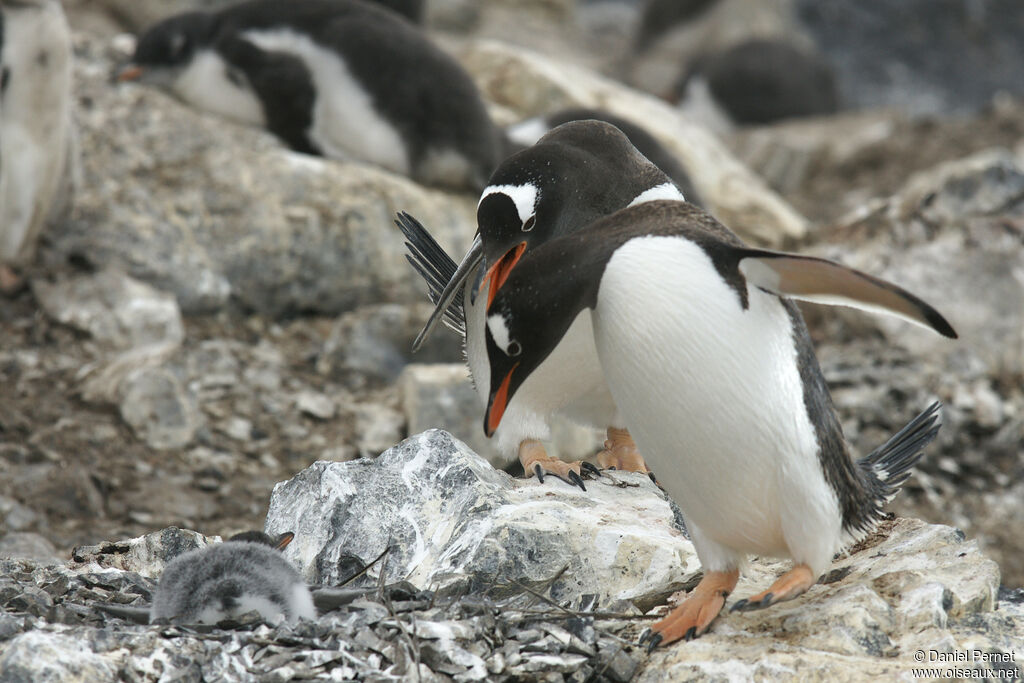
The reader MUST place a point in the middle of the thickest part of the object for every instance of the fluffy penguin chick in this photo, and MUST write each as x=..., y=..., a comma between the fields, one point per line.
x=574, y=174
x=341, y=78
x=245, y=573
x=712, y=369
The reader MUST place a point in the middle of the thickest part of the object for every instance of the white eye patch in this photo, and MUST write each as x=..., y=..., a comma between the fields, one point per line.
x=663, y=191
x=525, y=198
x=499, y=332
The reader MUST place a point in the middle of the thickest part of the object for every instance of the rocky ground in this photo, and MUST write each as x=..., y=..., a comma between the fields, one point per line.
x=268, y=335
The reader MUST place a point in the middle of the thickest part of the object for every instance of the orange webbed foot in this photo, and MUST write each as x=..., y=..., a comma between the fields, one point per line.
x=536, y=461
x=620, y=453
x=791, y=584
x=694, y=616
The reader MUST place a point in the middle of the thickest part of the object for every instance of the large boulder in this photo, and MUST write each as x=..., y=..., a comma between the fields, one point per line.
x=451, y=519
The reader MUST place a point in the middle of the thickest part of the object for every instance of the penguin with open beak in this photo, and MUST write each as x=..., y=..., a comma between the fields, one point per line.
x=345, y=79
x=245, y=573
x=712, y=368
x=576, y=173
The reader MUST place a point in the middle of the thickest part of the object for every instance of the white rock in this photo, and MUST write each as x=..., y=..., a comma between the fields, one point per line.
x=451, y=517
x=54, y=658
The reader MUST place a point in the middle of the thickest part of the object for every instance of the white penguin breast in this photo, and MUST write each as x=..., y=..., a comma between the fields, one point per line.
x=711, y=393
x=345, y=122
x=204, y=84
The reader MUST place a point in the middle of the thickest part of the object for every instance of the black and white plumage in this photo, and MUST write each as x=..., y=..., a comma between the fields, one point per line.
x=528, y=132
x=245, y=573
x=712, y=369
x=341, y=78
x=36, y=132
x=576, y=173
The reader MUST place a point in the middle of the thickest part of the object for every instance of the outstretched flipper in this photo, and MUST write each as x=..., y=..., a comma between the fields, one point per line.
x=821, y=281
x=437, y=268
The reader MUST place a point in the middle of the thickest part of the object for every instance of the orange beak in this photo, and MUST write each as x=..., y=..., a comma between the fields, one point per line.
x=498, y=404
x=499, y=272
x=131, y=72
x=283, y=540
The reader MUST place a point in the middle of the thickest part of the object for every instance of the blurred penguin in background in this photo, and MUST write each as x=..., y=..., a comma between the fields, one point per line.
x=37, y=144
x=344, y=79
x=757, y=82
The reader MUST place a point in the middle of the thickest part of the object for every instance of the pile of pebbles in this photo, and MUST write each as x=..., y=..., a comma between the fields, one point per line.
x=369, y=633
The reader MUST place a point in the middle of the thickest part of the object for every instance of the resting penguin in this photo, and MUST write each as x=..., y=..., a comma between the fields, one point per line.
x=341, y=78
x=712, y=368
x=245, y=573
x=36, y=132
x=527, y=133
x=574, y=174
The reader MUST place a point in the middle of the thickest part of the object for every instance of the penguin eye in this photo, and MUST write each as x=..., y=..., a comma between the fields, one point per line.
x=514, y=348
x=530, y=223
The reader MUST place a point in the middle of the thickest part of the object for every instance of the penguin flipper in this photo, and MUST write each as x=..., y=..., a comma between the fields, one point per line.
x=443, y=276
x=819, y=280
x=139, y=615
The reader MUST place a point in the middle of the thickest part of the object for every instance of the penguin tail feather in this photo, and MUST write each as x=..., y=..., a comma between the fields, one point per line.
x=434, y=265
x=887, y=467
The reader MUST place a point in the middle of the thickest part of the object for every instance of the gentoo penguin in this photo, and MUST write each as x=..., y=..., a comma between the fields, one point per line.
x=527, y=133
x=245, y=573
x=758, y=82
x=574, y=174
x=36, y=133
x=712, y=369
x=341, y=78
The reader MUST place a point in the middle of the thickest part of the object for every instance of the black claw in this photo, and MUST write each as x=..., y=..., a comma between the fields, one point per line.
x=739, y=605
x=612, y=467
x=690, y=634
x=539, y=471
x=767, y=600
x=653, y=478
x=653, y=642
x=576, y=479
x=644, y=635
x=590, y=468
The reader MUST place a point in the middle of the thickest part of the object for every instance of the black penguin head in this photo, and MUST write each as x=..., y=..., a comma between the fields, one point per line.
x=277, y=542
x=527, y=320
x=167, y=48
x=576, y=173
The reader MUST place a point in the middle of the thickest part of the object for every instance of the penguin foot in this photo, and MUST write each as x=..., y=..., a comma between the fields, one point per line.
x=535, y=460
x=694, y=616
x=791, y=584
x=620, y=453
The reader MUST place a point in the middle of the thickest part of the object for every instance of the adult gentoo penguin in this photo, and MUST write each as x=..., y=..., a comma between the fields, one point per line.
x=711, y=366
x=245, y=573
x=574, y=174
x=341, y=78
x=37, y=144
